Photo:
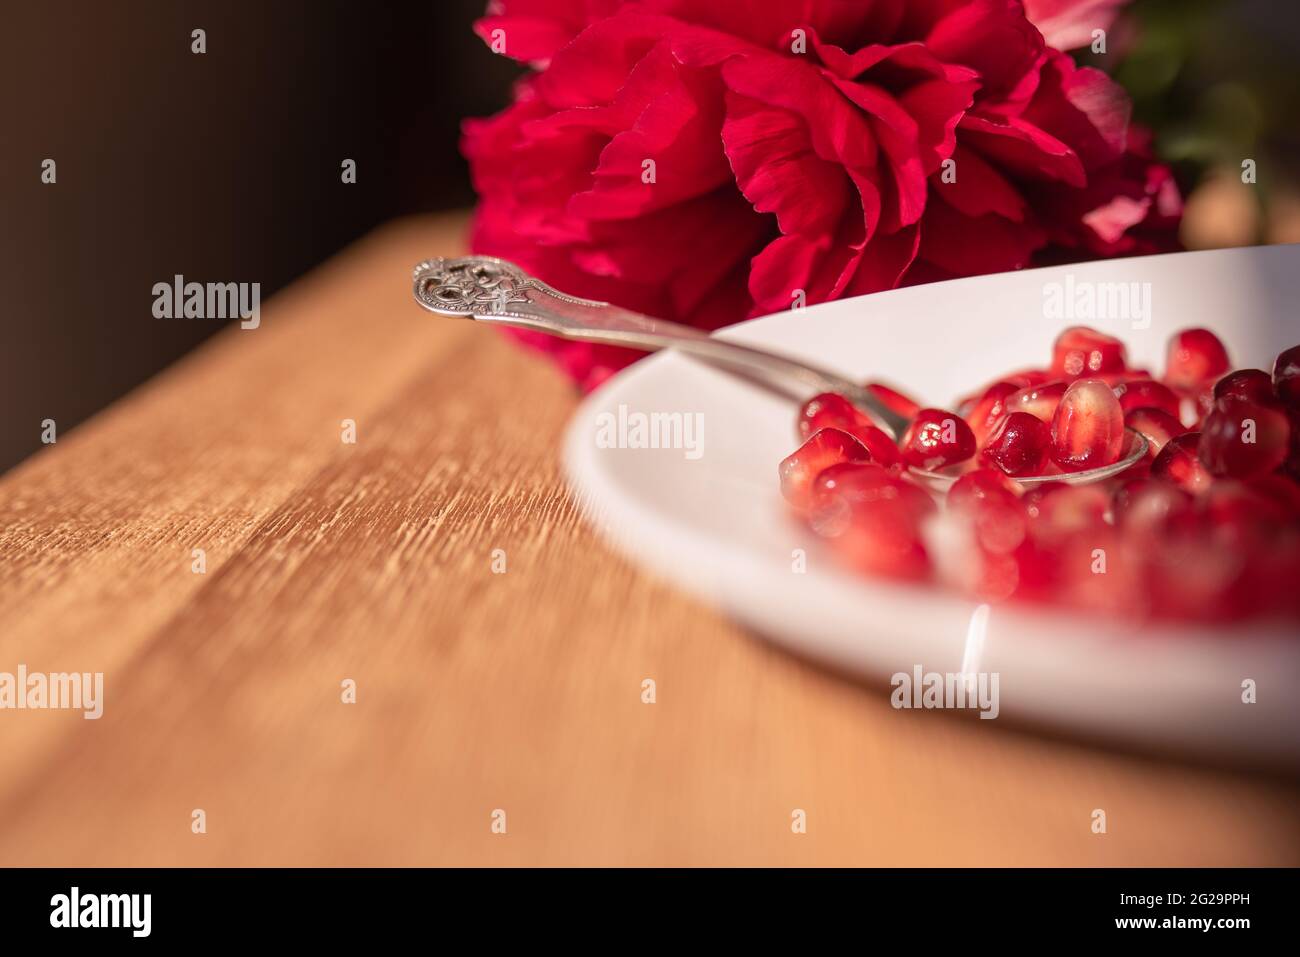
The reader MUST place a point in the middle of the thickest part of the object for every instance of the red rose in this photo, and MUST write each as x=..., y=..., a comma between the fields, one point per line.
x=709, y=160
x=1067, y=24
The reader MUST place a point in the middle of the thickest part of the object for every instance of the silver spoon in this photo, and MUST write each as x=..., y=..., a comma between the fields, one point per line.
x=497, y=291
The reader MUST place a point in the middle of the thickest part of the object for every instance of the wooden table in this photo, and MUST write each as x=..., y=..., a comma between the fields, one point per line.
x=475, y=691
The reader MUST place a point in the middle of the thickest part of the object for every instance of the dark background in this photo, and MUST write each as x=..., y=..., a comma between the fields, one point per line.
x=222, y=167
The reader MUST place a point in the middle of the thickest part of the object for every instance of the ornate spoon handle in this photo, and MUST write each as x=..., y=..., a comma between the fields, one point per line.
x=493, y=290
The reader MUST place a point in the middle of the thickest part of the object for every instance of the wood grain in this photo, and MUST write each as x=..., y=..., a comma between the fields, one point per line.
x=475, y=691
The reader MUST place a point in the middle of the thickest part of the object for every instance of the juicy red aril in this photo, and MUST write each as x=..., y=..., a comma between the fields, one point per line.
x=879, y=444
x=841, y=490
x=884, y=541
x=1088, y=428
x=1021, y=380
x=1197, y=405
x=1281, y=490
x=824, y=411
x=1286, y=377
x=895, y=400
x=1237, y=509
x=1253, y=384
x=1139, y=469
x=1116, y=379
x=1038, y=400
x=1196, y=357
x=1080, y=351
x=1027, y=377
x=1189, y=576
x=996, y=576
x=1244, y=439
x=1035, y=497
x=980, y=484
x=873, y=518
x=989, y=410
x=1247, y=528
x=1179, y=463
x=1158, y=427
x=936, y=439
x=1000, y=525
x=1100, y=575
x=825, y=448
x=1147, y=394
x=1148, y=506
x=832, y=411
x=995, y=511
x=1057, y=509
x=1059, y=516
x=1292, y=466
x=1020, y=445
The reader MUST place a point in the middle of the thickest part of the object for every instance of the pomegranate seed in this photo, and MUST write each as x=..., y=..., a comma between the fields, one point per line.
x=1238, y=512
x=988, y=410
x=1027, y=377
x=1038, y=570
x=1080, y=351
x=821, y=410
x=1178, y=463
x=1116, y=379
x=936, y=439
x=884, y=541
x=980, y=484
x=1195, y=406
x=1286, y=377
x=1146, y=507
x=824, y=448
x=1038, y=400
x=1147, y=394
x=1196, y=358
x=1021, y=380
x=1056, y=509
x=1099, y=574
x=841, y=490
x=1281, y=490
x=1245, y=527
x=1253, y=384
x=880, y=445
x=995, y=578
x=1139, y=469
x=1244, y=439
x=1088, y=428
x=1020, y=445
x=987, y=502
x=918, y=501
x=832, y=411
x=1189, y=575
x=1158, y=427
x=1292, y=465
x=1000, y=524
x=1035, y=497
x=895, y=400
x=854, y=483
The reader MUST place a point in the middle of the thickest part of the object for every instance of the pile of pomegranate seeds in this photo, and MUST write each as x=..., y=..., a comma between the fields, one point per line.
x=1206, y=526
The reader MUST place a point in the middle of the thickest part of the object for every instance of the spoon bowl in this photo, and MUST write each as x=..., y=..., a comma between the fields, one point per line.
x=1134, y=450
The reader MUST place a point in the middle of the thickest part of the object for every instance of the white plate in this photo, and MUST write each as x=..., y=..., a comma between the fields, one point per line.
x=717, y=526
